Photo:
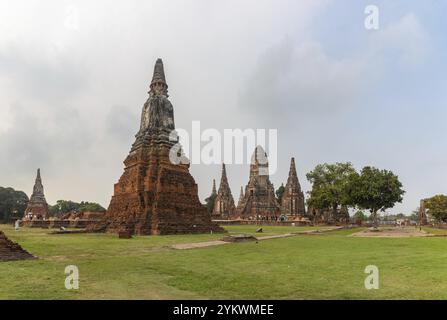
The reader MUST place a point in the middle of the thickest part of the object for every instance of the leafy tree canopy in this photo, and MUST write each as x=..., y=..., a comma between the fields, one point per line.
x=209, y=202
x=279, y=193
x=329, y=183
x=12, y=203
x=375, y=190
x=360, y=216
x=64, y=206
x=437, y=207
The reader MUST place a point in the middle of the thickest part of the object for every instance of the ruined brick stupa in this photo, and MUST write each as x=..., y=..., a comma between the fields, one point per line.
x=258, y=201
x=156, y=195
x=292, y=202
x=37, y=208
x=12, y=251
x=423, y=219
x=224, y=204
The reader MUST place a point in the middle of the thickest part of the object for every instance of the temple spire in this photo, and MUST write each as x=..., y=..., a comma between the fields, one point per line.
x=241, y=197
x=224, y=204
x=158, y=83
x=259, y=163
x=157, y=116
x=223, y=180
x=37, y=206
x=159, y=72
x=292, y=201
x=38, y=186
x=292, y=171
x=214, y=192
x=292, y=180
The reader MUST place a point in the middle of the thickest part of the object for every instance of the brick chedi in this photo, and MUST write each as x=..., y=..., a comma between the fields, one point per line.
x=214, y=191
x=241, y=197
x=156, y=193
x=224, y=204
x=292, y=201
x=37, y=208
x=423, y=220
x=259, y=200
x=329, y=215
x=12, y=251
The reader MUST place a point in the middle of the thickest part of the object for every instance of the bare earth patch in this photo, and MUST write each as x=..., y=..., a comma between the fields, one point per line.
x=393, y=232
x=194, y=245
x=184, y=246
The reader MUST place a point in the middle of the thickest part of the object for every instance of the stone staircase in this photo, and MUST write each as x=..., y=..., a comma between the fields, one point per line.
x=10, y=251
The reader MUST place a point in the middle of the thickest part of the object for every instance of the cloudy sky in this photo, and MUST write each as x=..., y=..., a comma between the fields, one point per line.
x=74, y=76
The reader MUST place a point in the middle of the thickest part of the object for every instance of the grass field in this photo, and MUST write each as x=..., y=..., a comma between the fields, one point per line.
x=328, y=266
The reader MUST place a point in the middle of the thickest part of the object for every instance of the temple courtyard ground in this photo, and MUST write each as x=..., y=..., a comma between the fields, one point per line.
x=328, y=265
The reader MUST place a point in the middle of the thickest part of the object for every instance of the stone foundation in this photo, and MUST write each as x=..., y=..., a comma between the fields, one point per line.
x=51, y=224
x=261, y=223
x=10, y=251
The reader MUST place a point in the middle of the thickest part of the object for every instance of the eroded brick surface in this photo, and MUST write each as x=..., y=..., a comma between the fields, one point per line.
x=10, y=250
x=156, y=195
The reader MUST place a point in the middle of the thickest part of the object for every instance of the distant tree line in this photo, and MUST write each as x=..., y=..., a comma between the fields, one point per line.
x=13, y=204
x=65, y=206
x=360, y=217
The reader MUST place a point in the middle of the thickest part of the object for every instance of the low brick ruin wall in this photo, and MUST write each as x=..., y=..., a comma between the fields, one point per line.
x=10, y=251
x=437, y=225
x=51, y=224
x=260, y=223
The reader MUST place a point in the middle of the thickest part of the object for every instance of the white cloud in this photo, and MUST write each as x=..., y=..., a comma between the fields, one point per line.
x=301, y=79
x=71, y=97
x=405, y=41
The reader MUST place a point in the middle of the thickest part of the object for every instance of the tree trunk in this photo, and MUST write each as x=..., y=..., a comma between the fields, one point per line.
x=334, y=213
x=375, y=221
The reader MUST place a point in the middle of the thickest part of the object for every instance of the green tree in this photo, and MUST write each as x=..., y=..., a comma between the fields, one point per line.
x=359, y=217
x=90, y=206
x=279, y=193
x=414, y=216
x=65, y=206
x=12, y=204
x=401, y=216
x=375, y=190
x=62, y=207
x=437, y=207
x=209, y=202
x=329, y=185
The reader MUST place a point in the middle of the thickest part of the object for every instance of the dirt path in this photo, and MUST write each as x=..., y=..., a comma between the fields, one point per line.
x=205, y=244
x=194, y=245
x=394, y=232
x=184, y=246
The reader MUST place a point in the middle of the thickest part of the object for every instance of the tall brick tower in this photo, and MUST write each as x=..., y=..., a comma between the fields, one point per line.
x=37, y=208
x=292, y=202
x=224, y=204
x=156, y=193
x=258, y=201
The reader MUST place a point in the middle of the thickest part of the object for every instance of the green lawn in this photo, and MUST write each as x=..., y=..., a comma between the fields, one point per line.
x=328, y=266
x=436, y=231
